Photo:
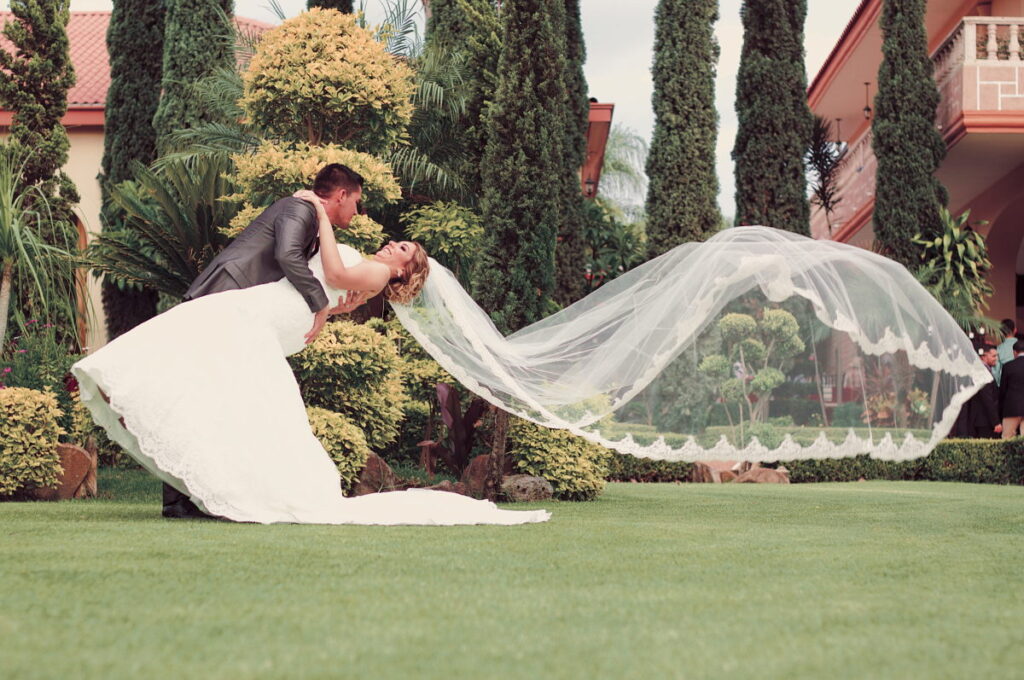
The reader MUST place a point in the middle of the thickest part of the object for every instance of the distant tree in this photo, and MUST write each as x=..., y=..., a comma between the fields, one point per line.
x=682, y=199
x=135, y=41
x=197, y=42
x=774, y=120
x=908, y=147
x=825, y=158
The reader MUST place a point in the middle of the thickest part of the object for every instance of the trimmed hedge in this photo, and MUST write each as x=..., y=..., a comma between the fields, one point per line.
x=29, y=432
x=623, y=467
x=980, y=461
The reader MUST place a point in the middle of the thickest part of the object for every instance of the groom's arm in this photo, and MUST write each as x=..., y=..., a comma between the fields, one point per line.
x=294, y=228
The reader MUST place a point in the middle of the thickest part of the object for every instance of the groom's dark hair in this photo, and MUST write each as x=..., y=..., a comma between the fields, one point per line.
x=336, y=176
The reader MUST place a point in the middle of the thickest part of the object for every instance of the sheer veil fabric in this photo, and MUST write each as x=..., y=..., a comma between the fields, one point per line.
x=756, y=345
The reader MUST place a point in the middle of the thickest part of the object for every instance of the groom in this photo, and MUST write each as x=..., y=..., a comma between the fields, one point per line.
x=277, y=245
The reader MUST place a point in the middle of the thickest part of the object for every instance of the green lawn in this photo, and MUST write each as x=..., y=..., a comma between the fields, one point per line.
x=869, y=580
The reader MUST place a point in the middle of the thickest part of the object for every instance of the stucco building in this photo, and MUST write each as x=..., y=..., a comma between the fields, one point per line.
x=977, y=51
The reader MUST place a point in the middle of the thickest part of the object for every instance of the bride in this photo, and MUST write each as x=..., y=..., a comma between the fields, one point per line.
x=203, y=397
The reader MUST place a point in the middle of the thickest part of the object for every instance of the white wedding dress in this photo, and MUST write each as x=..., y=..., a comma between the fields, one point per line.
x=210, y=406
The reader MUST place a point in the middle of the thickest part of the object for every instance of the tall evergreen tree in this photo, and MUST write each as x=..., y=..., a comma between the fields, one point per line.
x=34, y=83
x=682, y=181
x=135, y=41
x=340, y=5
x=473, y=28
x=196, y=43
x=774, y=120
x=906, y=144
x=523, y=162
x=570, y=258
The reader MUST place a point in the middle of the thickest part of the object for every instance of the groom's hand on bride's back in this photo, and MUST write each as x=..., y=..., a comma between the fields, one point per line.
x=354, y=301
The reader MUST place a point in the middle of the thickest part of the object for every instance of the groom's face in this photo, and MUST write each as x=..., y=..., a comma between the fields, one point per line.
x=342, y=205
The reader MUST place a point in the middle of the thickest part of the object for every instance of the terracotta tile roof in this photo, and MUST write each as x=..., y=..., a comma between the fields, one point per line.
x=87, y=32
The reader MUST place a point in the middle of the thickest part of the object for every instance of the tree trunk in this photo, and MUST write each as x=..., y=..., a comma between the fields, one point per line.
x=496, y=461
x=5, y=300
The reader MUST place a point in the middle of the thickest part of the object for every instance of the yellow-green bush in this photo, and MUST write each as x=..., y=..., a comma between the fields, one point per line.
x=575, y=467
x=451, y=234
x=321, y=78
x=29, y=432
x=277, y=169
x=343, y=441
x=355, y=371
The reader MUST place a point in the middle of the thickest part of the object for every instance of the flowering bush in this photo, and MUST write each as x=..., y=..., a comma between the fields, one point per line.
x=320, y=78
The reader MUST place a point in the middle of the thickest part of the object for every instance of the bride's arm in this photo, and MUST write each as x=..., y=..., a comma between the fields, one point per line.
x=365, y=276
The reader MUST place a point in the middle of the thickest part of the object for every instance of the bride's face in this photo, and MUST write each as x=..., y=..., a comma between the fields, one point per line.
x=396, y=255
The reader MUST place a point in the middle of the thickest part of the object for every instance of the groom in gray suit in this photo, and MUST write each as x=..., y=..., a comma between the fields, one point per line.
x=277, y=245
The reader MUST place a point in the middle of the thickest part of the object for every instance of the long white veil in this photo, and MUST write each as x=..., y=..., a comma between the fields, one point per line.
x=756, y=345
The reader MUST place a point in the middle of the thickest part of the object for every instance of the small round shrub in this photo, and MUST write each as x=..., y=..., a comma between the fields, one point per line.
x=575, y=467
x=29, y=433
x=321, y=78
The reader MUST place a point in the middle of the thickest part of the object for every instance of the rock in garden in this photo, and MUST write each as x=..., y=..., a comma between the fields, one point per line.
x=449, y=486
x=764, y=476
x=376, y=476
x=702, y=473
x=726, y=476
x=526, y=488
x=78, y=478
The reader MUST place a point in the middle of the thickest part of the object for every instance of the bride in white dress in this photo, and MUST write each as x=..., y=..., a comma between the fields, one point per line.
x=203, y=397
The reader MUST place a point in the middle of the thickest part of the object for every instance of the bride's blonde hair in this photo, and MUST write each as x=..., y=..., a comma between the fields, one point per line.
x=403, y=290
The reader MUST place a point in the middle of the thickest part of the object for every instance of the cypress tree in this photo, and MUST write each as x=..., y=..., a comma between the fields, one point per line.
x=135, y=41
x=472, y=28
x=906, y=144
x=196, y=43
x=683, y=184
x=34, y=83
x=340, y=5
x=523, y=162
x=774, y=120
x=570, y=258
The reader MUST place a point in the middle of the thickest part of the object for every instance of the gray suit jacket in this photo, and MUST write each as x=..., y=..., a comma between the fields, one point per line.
x=278, y=244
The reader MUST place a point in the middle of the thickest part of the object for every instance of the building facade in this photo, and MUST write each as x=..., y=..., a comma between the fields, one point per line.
x=977, y=49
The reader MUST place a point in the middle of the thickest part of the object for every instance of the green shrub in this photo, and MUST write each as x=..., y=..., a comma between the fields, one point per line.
x=343, y=441
x=37, y=360
x=29, y=432
x=848, y=415
x=575, y=467
x=983, y=461
x=451, y=234
x=623, y=467
x=353, y=370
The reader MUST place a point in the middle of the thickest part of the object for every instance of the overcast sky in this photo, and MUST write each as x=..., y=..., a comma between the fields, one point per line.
x=620, y=40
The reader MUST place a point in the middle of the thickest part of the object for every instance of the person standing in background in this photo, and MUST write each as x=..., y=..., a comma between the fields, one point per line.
x=1005, y=349
x=1011, y=393
x=982, y=410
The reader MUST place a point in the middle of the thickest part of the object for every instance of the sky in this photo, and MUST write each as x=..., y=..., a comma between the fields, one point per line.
x=620, y=43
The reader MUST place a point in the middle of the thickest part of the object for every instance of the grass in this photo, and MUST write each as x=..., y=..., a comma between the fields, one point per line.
x=886, y=579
